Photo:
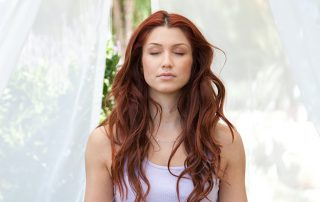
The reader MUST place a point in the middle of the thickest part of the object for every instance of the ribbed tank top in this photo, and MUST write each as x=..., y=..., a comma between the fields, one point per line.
x=163, y=185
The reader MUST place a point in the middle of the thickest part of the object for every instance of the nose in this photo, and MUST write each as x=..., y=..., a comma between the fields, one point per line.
x=167, y=61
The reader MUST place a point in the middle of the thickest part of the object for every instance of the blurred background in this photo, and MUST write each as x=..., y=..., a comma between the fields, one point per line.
x=58, y=59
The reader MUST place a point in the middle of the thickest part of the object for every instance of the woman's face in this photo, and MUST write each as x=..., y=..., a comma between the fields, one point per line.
x=166, y=60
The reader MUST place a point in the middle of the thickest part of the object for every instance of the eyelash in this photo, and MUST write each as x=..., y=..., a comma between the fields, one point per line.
x=181, y=54
x=154, y=53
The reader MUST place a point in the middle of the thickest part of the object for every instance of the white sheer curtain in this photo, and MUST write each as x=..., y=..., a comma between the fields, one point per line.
x=272, y=79
x=299, y=29
x=52, y=58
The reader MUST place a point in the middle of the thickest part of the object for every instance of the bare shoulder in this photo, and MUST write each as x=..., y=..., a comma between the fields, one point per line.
x=98, y=158
x=99, y=137
x=231, y=145
x=99, y=147
x=232, y=187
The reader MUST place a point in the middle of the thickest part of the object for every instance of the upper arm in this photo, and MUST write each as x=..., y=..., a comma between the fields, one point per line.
x=232, y=187
x=99, y=186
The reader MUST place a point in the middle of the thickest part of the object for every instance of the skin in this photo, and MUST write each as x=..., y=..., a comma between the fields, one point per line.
x=166, y=50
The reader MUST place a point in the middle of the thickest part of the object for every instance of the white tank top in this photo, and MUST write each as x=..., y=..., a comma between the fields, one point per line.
x=163, y=185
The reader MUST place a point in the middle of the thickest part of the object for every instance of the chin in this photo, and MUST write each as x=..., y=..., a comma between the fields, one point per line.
x=167, y=91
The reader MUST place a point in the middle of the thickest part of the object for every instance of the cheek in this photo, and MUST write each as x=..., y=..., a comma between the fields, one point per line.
x=188, y=70
x=148, y=64
x=187, y=67
x=147, y=69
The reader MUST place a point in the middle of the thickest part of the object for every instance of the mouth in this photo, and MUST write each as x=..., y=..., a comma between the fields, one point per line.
x=166, y=75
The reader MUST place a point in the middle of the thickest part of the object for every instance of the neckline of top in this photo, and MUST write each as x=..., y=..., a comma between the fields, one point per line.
x=164, y=167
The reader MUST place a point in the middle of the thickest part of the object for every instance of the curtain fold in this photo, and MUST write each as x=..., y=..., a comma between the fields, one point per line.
x=52, y=59
x=16, y=20
x=299, y=28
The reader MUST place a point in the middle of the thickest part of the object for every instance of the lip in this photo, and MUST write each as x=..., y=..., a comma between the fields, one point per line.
x=166, y=75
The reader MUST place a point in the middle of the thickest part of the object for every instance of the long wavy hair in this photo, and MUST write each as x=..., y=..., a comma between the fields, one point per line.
x=129, y=121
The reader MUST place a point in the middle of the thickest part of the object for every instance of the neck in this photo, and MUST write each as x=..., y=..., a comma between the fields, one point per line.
x=168, y=103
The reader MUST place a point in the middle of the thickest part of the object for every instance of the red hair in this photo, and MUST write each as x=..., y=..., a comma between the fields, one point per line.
x=200, y=113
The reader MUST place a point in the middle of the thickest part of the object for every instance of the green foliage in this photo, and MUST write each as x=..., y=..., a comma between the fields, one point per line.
x=112, y=60
x=142, y=9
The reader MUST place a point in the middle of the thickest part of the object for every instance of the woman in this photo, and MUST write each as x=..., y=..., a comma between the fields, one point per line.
x=163, y=140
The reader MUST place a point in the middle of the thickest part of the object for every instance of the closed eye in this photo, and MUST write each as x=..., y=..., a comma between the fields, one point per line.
x=154, y=53
x=178, y=53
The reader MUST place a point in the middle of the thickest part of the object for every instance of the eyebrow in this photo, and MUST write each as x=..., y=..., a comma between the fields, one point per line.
x=178, y=44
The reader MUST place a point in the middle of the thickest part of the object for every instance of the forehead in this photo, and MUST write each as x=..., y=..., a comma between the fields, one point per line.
x=167, y=36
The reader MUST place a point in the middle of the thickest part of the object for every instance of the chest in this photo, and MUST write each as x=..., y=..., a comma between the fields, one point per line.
x=159, y=153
